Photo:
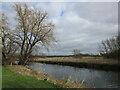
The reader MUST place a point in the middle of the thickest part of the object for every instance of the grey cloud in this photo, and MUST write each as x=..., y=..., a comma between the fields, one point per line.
x=104, y=12
x=9, y=10
x=82, y=26
x=86, y=32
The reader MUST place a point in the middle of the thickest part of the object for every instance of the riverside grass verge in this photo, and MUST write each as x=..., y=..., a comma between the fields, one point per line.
x=98, y=63
x=85, y=59
x=11, y=79
x=39, y=78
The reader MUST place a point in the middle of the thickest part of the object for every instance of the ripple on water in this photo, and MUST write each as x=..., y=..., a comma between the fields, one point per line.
x=92, y=78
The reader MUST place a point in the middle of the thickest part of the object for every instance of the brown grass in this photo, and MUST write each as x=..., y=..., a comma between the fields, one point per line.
x=88, y=59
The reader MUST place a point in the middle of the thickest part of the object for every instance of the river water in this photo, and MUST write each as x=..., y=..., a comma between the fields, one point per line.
x=90, y=77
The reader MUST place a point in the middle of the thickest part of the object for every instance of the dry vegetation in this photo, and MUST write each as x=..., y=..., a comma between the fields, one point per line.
x=66, y=83
x=88, y=59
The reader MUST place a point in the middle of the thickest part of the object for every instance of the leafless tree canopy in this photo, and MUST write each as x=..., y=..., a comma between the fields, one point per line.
x=33, y=28
x=9, y=46
x=76, y=52
x=110, y=47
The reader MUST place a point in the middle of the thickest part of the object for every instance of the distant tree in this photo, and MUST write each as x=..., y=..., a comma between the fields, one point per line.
x=76, y=53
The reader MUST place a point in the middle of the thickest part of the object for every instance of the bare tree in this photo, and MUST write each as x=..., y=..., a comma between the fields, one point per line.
x=9, y=46
x=33, y=29
x=76, y=53
x=118, y=40
x=110, y=47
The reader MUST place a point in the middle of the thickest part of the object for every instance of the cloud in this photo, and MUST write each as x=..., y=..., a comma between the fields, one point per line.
x=76, y=31
x=104, y=12
x=79, y=25
x=53, y=9
x=8, y=9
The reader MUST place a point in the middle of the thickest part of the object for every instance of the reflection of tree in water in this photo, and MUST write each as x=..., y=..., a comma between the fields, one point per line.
x=104, y=79
x=91, y=82
x=111, y=79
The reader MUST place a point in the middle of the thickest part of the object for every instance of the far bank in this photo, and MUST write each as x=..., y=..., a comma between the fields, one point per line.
x=83, y=62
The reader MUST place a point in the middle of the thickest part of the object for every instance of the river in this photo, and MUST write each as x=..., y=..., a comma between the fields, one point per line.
x=90, y=77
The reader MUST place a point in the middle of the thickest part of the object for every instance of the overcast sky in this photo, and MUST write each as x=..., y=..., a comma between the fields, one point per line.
x=78, y=25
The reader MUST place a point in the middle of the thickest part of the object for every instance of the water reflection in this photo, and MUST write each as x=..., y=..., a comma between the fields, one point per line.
x=92, y=78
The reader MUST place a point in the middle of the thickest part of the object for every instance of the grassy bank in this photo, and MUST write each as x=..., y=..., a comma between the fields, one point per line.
x=19, y=76
x=11, y=79
x=84, y=62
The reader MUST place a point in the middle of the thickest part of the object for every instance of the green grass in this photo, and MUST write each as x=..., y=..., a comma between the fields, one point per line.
x=0, y=77
x=11, y=79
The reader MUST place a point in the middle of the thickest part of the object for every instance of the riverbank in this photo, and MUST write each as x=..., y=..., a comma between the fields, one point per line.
x=14, y=76
x=84, y=62
x=11, y=79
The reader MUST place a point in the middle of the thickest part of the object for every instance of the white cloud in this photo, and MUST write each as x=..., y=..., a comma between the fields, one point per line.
x=76, y=31
x=81, y=25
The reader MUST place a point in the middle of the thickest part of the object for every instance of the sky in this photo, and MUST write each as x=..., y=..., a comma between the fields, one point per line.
x=78, y=25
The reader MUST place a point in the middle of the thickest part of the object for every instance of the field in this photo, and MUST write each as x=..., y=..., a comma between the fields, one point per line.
x=87, y=59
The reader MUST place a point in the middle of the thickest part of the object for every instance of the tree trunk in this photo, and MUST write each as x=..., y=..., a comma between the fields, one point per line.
x=23, y=60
